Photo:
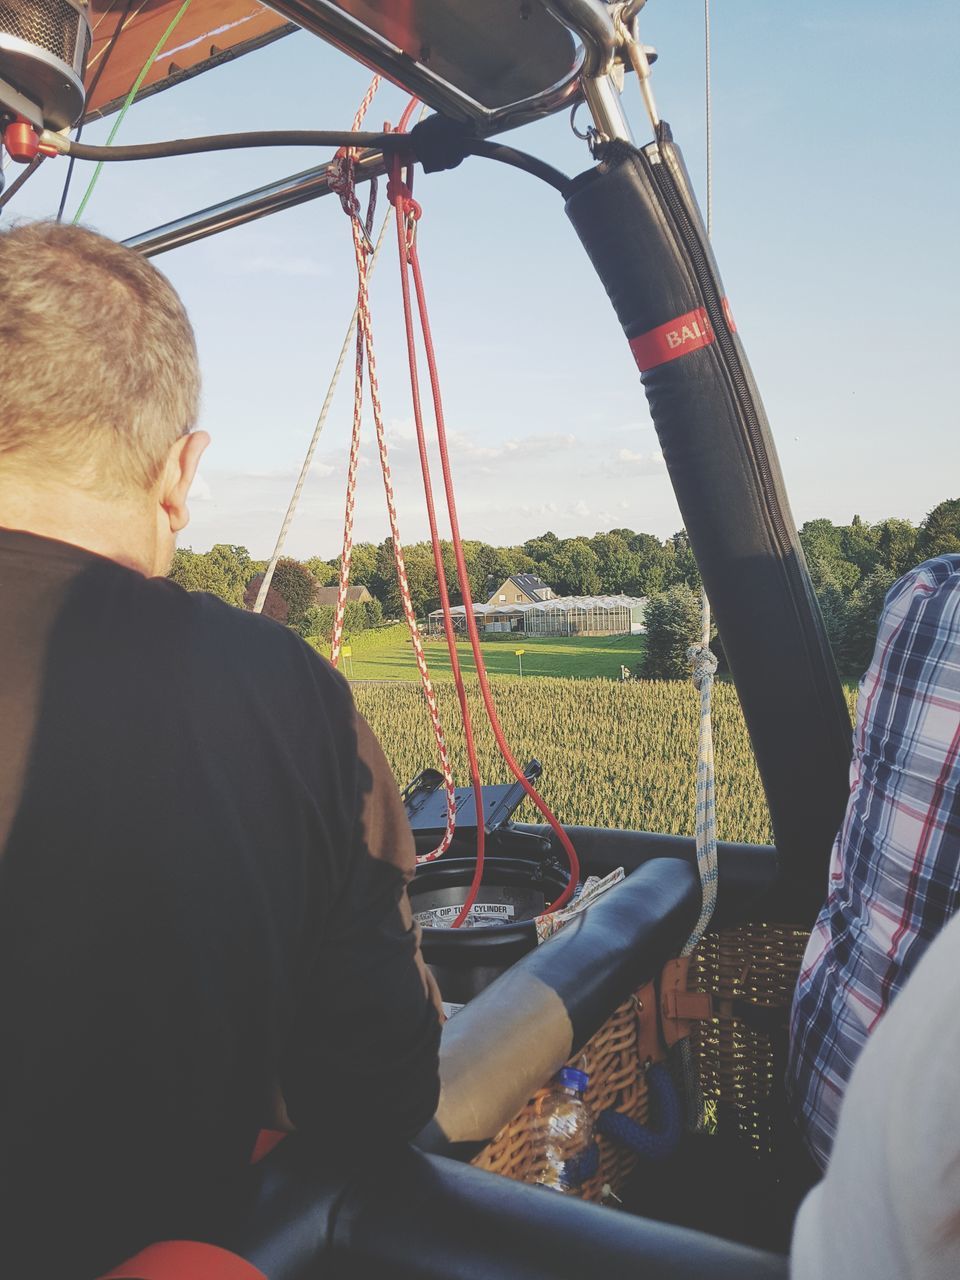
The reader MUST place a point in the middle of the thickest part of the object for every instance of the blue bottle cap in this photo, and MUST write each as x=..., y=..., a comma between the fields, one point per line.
x=570, y=1078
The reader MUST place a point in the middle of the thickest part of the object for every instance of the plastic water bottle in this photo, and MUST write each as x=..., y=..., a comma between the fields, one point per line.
x=565, y=1129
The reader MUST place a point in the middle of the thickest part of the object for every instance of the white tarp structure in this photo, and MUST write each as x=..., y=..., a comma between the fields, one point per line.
x=562, y=616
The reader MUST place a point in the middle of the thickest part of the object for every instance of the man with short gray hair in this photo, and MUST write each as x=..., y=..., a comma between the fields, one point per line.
x=203, y=855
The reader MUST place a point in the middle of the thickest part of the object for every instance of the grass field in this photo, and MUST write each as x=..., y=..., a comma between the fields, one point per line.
x=387, y=654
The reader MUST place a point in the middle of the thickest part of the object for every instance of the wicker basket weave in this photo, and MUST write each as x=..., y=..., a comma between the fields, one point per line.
x=610, y=1059
x=756, y=963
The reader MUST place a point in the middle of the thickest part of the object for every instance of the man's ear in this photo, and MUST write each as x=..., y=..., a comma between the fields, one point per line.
x=182, y=462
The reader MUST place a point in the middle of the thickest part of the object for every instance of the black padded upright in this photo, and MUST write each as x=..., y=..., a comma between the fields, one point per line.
x=638, y=221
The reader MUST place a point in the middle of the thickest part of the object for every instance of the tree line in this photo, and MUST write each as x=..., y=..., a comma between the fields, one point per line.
x=852, y=567
x=618, y=562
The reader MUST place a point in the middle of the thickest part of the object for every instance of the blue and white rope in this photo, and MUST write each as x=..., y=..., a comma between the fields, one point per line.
x=704, y=665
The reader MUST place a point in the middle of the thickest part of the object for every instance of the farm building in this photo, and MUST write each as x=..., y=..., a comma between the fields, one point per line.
x=521, y=588
x=560, y=616
x=355, y=595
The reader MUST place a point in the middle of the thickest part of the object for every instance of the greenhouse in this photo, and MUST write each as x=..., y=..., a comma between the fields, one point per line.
x=563, y=616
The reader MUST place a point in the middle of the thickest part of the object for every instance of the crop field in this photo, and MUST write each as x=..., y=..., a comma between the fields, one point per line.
x=387, y=654
x=613, y=755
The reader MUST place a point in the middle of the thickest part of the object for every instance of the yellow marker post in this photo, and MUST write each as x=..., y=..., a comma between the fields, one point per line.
x=520, y=653
x=347, y=653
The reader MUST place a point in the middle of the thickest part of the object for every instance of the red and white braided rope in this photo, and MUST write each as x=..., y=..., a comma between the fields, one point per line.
x=345, y=188
x=346, y=553
x=342, y=183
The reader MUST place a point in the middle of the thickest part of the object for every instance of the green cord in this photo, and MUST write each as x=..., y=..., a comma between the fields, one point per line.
x=128, y=102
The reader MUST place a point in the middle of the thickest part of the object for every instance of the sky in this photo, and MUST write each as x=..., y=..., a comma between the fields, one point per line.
x=835, y=226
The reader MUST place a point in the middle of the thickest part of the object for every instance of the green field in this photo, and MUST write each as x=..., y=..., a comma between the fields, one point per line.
x=387, y=654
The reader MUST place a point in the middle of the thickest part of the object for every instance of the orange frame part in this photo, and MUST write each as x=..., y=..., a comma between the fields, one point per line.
x=210, y=32
x=184, y=1260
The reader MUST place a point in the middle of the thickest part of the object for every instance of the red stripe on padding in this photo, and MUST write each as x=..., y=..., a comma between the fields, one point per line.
x=672, y=340
x=267, y=1139
x=184, y=1260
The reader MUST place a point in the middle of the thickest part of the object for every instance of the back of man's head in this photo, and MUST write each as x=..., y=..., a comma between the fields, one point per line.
x=98, y=363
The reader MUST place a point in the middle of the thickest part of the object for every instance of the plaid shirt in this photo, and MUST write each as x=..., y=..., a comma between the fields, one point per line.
x=895, y=866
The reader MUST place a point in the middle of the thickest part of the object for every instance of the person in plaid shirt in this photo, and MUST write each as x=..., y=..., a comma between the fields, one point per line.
x=895, y=866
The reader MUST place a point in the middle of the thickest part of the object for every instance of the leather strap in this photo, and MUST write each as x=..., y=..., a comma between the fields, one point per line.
x=184, y=1260
x=649, y=1046
x=680, y=1008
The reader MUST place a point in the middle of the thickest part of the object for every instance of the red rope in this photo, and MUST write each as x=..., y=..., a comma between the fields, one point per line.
x=408, y=214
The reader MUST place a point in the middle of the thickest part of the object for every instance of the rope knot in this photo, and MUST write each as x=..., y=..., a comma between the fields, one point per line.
x=399, y=193
x=704, y=663
x=341, y=181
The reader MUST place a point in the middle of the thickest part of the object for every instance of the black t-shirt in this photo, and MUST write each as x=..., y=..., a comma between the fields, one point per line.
x=201, y=903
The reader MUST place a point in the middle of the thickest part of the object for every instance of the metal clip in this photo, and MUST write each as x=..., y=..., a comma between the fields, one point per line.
x=627, y=26
x=592, y=136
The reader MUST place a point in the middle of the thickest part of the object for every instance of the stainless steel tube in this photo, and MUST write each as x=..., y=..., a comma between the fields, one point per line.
x=589, y=20
x=283, y=194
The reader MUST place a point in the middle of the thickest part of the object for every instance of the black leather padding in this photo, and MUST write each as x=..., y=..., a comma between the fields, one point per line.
x=411, y=1216
x=621, y=942
x=563, y=992
x=747, y=887
x=639, y=224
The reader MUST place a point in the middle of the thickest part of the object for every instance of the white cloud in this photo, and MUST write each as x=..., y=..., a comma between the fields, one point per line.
x=634, y=428
x=200, y=490
x=401, y=431
x=637, y=463
x=507, y=490
x=319, y=470
x=534, y=446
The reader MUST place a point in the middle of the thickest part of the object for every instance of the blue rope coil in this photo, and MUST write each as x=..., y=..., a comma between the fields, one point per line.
x=652, y=1143
x=578, y=1169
